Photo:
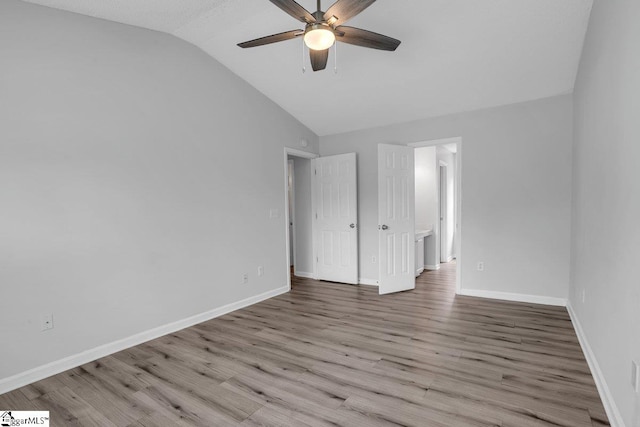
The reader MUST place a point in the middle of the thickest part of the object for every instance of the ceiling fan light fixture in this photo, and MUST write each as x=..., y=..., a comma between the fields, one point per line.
x=324, y=29
x=319, y=37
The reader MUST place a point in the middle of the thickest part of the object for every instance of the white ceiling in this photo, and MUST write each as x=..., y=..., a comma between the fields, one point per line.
x=456, y=55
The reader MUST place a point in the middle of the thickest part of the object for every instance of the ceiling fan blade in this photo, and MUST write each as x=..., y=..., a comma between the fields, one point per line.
x=365, y=38
x=280, y=37
x=295, y=10
x=319, y=59
x=343, y=10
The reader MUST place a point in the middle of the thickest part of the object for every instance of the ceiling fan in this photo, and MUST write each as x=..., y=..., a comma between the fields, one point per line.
x=323, y=29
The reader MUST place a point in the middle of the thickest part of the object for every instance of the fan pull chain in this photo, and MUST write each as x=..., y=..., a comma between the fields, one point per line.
x=304, y=68
x=335, y=58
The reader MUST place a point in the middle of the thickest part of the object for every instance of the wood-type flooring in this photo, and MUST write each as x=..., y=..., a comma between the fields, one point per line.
x=329, y=354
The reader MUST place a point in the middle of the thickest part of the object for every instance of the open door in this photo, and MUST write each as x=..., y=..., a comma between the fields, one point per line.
x=336, y=214
x=396, y=214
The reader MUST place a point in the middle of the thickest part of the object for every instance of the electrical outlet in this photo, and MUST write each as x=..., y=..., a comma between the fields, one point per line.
x=260, y=271
x=373, y=259
x=46, y=322
x=635, y=376
x=481, y=266
x=245, y=278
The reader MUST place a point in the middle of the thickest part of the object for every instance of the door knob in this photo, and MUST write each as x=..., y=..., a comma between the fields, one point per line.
x=352, y=225
x=384, y=227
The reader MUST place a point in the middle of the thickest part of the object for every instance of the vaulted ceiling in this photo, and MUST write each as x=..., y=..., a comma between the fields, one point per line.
x=456, y=55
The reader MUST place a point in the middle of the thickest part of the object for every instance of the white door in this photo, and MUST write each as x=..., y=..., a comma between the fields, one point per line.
x=396, y=215
x=336, y=213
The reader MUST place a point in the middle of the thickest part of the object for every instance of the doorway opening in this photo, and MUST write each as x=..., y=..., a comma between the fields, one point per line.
x=437, y=203
x=298, y=214
x=321, y=213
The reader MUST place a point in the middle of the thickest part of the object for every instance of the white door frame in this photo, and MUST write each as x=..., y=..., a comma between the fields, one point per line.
x=458, y=196
x=292, y=213
x=305, y=155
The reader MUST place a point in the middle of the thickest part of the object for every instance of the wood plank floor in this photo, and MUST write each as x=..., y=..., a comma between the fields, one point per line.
x=329, y=354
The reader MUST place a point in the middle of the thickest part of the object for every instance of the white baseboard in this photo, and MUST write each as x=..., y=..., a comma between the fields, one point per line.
x=615, y=418
x=368, y=282
x=533, y=299
x=44, y=371
x=432, y=267
x=419, y=271
x=304, y=274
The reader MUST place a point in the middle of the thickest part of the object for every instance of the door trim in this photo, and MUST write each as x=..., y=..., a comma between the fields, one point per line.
x=288, y=151
x=458, y=195
x=292, y=214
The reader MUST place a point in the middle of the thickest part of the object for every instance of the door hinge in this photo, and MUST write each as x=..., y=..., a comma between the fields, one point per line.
x=315, y=171
x=316, y=215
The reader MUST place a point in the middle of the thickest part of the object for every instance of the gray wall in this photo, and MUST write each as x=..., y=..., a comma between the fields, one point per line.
x=136, y=179
x=606, y=197
x=304, y=220
x=516, y=192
